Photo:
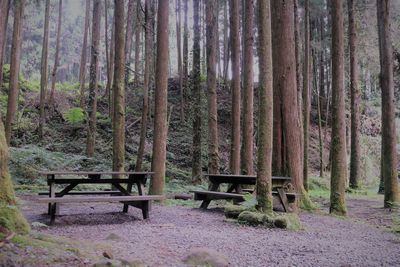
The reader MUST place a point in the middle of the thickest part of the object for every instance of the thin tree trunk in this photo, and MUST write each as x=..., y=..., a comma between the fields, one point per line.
x=146, y=83
x=93, y=79
x=235, y=57
x=355, y=168
x=13, y=90
x=265, y=110
x=185, y=62
x=56, y=56
x=128, y=39
x=4, y=10
x=179, y=52
x=82, y=67
x=248, y=117
x=212, y=40
x=43, y=70
x=226, y=43
x=107, y=92
x=138, y=26
x=389, y=170
x=306, y=92
x=338, y=146
x=196, y=147
x=118, y=88
x=161, y=101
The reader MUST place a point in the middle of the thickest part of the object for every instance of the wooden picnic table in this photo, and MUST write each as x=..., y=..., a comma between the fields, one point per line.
x=281, y=186
x=70, y=180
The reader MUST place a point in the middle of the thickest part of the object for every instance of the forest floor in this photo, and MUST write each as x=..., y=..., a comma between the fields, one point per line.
x=364, y=238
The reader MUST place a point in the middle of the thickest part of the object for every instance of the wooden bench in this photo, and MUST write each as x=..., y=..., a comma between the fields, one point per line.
x=70, y=180
x=281, y=187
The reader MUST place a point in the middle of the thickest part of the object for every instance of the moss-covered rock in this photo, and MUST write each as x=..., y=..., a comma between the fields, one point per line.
x=250, y=217
x=233, y=211
x=281, y=222
x=206, y=257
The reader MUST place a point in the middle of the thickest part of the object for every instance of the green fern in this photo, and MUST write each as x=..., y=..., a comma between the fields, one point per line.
x=74, y=115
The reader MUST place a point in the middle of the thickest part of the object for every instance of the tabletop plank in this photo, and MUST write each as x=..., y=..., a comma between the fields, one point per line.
x=85, y=173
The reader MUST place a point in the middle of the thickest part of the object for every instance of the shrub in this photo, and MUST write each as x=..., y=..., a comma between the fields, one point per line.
x=74, y=115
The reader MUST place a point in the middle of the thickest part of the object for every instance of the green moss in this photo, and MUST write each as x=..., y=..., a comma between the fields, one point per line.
x=12, y=219
x=306, y=203
x=251, y=218
x=233, y=211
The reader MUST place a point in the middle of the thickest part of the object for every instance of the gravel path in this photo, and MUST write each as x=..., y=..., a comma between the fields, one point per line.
x=166, y=238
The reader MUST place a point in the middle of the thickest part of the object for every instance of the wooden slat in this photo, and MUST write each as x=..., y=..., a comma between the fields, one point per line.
x=85, y=173
x=91, y=181
x=213, y=195
x=99, y=199
x=84, y=193
x=245, y=176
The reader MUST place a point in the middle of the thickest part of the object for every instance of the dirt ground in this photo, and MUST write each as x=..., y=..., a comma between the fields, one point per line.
x=362, y=239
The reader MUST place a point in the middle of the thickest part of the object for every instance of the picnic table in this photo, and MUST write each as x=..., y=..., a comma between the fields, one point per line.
x=69, y=180
x=281, y=188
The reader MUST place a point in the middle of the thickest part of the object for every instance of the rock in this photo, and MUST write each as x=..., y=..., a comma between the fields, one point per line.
x=113, y=237
x=107, y=254
x=252, y=218
x=281, y=222
x=233, y=211
x=120, y=263
x=206, y=257
x=38, y=225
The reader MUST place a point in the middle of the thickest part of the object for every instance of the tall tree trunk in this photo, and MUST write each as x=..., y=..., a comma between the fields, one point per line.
x=306, y=92
x=265, y=110
x=161, y=101
x=13, y=90
x=128, y=39
x=322, y=94
x=107, y=92
x=179, y=52
x=338, y=146
x=235, y=57
x=93, y=79
x=285, y=91
x=4, y=10
x=389, y=154
x=212, y=41
x=355, y=100
x=43, y=70
x=226, y=43
x=185, y=48
x=138, y=27
x=118, y=88
x=196, y=147
x=56, y=56
x=11, y=217
x=248, y=124
x=299, y=77
x=82, y=67
x=146, y=83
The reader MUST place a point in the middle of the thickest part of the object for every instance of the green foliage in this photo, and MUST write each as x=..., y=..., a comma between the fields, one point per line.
x=12, y=219
x=75, y=115
x=29, y=85
x=68, y=87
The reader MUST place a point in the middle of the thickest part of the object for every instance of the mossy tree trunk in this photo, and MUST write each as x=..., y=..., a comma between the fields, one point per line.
x=146, y=83
x=43, y=70
x=355, y=154
x=13, y=90
x=185, y=48
x=212, y=42
x=235, y=86
x=248, y=95
x=138, y=28
x=56, y=56
x=82, y=67
x=4, y=11
x=179, y=52
x=10, y=216
x=338, y=145
x=119, y=88
x=128, y=39
x=265, y=110
x=93, y=79
x=389, y=170
x=196, y=145
x=160, y=101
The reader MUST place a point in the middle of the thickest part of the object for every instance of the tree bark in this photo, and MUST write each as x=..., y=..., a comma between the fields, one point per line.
x=185, y=48
x=161, y=101
x=338, y=146
x=306, y=91
x=82, y=67
x=128, y=38
x=56, y=56
x=248, y=102
x=196, y=146
x=355, y=100
x=212, y=40
x=226, y=43
x=146, y=83
x=13, y=90
x=138, y=27
x=118, y=88
x=235, y=86
x=265, y=110
x=4, y=10
x=179, y=52
x=43, y=70
x=389, y=170
x=93, y=79
x=299, y=77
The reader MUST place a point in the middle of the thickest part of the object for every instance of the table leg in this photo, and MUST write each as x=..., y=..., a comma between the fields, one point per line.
x=283, y=199
x=205, y=203
x=126, y=206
